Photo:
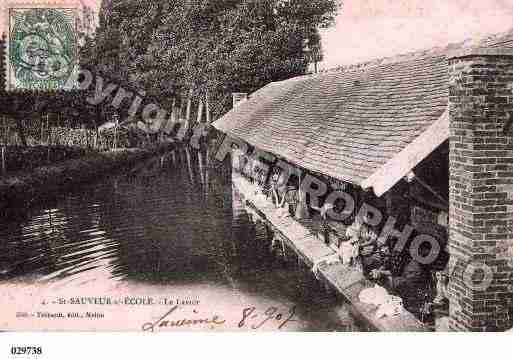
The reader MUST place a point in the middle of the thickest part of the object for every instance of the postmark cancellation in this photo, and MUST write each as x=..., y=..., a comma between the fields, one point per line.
x=41, y=50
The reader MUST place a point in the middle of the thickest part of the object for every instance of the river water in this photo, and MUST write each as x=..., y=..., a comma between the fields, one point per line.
x=168, y=229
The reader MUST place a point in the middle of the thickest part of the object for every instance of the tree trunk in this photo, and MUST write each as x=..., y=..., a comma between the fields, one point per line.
x=173, y=112
x=207, y=105
x=181, y=110
x=200, y=111
x=188, y=112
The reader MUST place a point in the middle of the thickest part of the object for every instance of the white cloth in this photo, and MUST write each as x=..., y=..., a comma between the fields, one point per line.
x=388, y=305
x=393, y=306
x=331, y=259
x=349, y=251
x=376, y=295
x=346, y=252
x=352, y=231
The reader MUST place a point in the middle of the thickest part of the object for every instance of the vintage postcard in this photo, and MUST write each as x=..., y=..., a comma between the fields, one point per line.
x=256, y=166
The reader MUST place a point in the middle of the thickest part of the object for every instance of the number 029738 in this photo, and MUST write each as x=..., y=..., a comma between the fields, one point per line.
x=26, y=350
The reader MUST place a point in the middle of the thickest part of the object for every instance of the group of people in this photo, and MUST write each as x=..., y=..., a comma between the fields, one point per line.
x=284, y=196
x=391, y=267
x=378, y=258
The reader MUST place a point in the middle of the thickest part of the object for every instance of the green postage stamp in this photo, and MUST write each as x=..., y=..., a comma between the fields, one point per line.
x=42, y=47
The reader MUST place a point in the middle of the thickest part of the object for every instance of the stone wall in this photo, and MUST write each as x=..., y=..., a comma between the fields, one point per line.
x=481, y=190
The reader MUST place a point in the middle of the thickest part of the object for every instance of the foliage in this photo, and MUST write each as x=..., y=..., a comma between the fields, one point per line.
x=217, y=46
x=167, y=49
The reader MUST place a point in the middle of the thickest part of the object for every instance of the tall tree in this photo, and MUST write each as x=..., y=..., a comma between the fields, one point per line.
x=173, y=49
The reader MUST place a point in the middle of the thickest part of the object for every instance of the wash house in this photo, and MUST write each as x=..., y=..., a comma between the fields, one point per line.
x=425, y=139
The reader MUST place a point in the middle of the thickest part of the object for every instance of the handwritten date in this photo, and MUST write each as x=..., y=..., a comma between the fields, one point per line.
x=256, y=320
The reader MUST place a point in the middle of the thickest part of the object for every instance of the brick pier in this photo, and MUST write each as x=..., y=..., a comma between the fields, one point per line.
x=481, y=189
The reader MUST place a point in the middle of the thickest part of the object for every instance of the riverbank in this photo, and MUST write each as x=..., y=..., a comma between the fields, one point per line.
x=20, y=191
x=16, y=159
x=347, y=282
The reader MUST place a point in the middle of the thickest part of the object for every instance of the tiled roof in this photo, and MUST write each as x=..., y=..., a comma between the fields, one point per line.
x=348, y=123
x=504, y=40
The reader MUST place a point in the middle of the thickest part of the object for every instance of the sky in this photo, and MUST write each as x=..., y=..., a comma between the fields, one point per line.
x=369, y=29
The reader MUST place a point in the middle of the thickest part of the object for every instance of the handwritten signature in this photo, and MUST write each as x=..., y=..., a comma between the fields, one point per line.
x=164, y=322
x=251, y=318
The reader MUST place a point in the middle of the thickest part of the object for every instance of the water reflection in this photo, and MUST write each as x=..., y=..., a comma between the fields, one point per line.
x=171, y=221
